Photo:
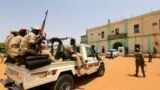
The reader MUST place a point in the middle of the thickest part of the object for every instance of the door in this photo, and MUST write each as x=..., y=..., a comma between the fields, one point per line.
x=92, y=61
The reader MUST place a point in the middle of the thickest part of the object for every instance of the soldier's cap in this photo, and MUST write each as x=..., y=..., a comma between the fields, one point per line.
x=36, y=28
x=13, y=30
x=22, y=30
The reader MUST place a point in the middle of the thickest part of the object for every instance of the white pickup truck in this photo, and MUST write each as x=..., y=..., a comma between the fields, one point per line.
x=54, y=76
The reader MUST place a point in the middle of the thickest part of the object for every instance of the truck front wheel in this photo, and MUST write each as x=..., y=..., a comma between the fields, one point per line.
x=101, y=70
x=64, y=82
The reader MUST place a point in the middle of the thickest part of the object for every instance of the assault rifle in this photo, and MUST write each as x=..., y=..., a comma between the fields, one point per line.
x=43, y=24
x=42, y=36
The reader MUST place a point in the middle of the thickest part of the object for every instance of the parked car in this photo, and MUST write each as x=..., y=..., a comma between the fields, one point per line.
x=114, y=51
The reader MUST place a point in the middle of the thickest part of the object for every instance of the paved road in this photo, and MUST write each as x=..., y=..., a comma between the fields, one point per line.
x=118, y=76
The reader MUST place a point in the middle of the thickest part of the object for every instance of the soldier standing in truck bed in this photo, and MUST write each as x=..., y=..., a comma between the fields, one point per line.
x=139, y=62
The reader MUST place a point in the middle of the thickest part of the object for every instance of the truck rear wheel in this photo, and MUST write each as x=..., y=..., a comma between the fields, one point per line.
x=64, y=82
x=101, y=70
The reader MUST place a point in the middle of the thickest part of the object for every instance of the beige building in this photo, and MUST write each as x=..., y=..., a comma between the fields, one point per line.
x=141, y=31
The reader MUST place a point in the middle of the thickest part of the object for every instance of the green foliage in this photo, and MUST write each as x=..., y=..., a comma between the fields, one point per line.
x=2, y=49
x=1, y=45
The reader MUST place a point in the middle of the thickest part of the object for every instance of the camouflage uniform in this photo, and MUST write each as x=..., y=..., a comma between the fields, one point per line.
x=12, y=34
x=14, y=46
x=25, y=44
x=139, y=63
x=71, y=51
x=7, y=41
x=45, y=51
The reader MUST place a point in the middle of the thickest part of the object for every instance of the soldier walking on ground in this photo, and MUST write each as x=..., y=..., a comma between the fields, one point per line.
x=149, y=56
x=154, y=51
x=139, y=62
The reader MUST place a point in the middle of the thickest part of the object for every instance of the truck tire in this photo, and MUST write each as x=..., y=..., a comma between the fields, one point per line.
x=64, y=82
x=101, y=70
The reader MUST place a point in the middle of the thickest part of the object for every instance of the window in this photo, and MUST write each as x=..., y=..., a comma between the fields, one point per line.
x=136, y=28
x=117, y=31
x=154, y=24
x=102, y=34
x=89, y=52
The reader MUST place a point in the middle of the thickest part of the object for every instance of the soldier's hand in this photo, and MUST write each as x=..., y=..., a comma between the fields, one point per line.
x=42, y=37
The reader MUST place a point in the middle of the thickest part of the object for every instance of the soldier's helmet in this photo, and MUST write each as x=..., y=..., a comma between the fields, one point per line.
x=13, y=31
x=35, y=28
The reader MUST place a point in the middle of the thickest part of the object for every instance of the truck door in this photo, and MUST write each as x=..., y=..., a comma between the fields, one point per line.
x=91, y=58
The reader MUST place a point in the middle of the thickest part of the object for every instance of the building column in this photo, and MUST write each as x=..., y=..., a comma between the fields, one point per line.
x=108, y=33
x=126, y=31
x=149, y=46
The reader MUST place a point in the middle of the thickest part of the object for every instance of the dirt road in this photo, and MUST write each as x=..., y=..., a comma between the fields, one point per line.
x=118, y=76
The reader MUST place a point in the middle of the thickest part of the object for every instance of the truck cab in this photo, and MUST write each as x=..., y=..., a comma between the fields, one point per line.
x=57, y=75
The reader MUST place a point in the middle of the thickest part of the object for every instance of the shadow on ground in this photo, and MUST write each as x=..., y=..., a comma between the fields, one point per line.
x=133, y=75
x=83, y=80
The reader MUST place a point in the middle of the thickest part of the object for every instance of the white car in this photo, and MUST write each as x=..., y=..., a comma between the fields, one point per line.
x=114, y=51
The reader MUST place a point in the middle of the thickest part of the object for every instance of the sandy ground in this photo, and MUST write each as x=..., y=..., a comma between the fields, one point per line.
x=2, y=70
x=118, y=76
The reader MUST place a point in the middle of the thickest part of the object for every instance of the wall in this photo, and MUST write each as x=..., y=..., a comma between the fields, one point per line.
x=148, y=36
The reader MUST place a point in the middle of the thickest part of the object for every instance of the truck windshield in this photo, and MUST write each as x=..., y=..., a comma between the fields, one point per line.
x=89, y=52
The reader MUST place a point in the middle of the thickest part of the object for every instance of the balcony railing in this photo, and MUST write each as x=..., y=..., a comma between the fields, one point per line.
x=117, y=36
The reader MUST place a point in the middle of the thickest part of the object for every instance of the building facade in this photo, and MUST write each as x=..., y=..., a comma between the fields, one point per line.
x=141, y=31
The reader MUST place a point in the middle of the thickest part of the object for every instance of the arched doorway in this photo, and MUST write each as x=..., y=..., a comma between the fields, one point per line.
x=117, y=44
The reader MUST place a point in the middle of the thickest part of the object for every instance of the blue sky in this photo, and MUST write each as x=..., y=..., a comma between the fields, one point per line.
x=68, y=17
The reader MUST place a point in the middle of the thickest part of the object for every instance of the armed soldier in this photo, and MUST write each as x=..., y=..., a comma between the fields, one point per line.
x=149, y=56
x=12, y=34
x=14, y=44
x=139, y=62
x=30, y=41
x=154, y=51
